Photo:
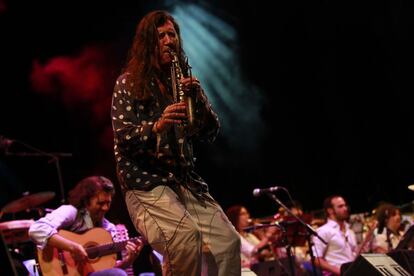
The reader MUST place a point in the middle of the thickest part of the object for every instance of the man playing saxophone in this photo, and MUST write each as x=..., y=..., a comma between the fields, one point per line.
x=168, y=202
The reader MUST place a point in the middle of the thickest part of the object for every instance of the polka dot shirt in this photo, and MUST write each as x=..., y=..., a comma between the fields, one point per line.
x=145, y=159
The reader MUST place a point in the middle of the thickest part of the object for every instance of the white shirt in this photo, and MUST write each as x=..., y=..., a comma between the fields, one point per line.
x=65, y=217
x=341, y=245
x=248, y=247
x=381, y=240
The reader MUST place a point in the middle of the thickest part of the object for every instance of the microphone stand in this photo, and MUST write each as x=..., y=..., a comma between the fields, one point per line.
x=310, y=232
x=54, y=157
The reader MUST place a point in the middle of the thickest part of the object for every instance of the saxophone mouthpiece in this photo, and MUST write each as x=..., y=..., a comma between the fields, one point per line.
x=173, y=55
x=172, y=52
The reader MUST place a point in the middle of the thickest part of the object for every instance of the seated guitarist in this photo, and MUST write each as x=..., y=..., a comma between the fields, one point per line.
x=89, y=201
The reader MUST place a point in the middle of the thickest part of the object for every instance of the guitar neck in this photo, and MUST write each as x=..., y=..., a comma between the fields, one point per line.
x=122, y=232
x=105, y=249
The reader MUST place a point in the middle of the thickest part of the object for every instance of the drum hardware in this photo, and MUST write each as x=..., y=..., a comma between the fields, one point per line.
x=17, y=243
x=35, y=152
x=15, y=231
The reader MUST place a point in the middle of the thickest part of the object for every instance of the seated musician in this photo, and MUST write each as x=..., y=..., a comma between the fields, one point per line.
x=89, y=201
x=387, y=235
x=341, y=242
x=253, y=248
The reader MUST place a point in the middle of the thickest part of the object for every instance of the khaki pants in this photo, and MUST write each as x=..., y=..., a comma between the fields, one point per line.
x=186, y=235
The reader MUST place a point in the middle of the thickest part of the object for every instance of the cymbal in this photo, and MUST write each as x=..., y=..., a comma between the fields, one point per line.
x=28, y=202
x=411, y=187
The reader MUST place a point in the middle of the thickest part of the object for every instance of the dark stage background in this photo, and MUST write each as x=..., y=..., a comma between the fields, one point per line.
x=335, y=79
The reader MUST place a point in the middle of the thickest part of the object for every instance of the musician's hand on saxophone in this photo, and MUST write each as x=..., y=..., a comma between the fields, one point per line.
x=190, y=83
x=184, y=86
x=172, y=114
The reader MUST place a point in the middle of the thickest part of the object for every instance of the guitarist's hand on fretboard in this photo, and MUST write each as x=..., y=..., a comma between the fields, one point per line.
x=133, y=250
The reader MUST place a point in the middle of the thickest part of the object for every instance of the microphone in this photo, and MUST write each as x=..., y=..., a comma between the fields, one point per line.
x=258, y=192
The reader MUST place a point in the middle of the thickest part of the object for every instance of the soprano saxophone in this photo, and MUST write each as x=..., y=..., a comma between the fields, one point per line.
x=178, y=93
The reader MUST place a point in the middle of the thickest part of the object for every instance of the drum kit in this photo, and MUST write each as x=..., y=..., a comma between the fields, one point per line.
x=15, y=232
x=17, y=216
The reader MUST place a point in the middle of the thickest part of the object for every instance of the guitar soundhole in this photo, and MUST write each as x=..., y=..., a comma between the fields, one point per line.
x=93, y=254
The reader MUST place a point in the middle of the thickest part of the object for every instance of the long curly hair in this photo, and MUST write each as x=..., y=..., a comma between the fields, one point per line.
x=89, y=187
x=143, y=62
x=233, y=213
x=383, y=213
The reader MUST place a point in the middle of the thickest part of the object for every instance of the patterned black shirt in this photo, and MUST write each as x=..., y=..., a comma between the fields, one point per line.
x=145, y=159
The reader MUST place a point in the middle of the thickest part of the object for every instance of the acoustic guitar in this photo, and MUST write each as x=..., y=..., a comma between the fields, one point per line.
x=99, y=246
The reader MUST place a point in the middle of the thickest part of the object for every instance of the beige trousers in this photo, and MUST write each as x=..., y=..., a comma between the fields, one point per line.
x=193, y=239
